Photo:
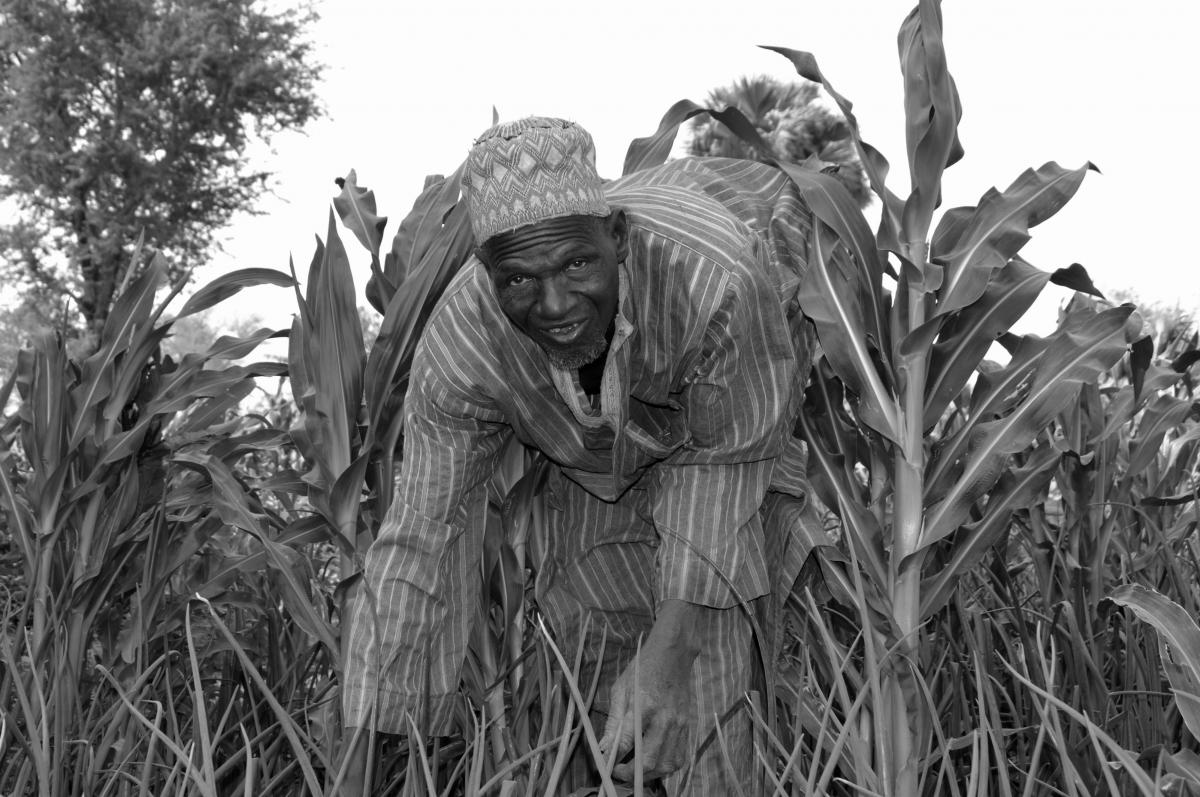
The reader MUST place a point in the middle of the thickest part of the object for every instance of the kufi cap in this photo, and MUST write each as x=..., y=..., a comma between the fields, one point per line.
x=530, y=170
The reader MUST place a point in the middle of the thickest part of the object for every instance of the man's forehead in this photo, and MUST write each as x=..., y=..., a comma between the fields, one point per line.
x=546, y=235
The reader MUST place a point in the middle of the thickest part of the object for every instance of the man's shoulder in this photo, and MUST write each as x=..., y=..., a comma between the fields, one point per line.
x=464, y=291
x=458, y=328
x=718, y=208
x=727, y=186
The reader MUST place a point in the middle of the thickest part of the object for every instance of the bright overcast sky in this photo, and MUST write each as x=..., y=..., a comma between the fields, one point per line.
x=411, y=83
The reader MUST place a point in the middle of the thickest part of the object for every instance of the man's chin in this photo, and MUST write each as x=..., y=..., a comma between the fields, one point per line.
x=576, y=356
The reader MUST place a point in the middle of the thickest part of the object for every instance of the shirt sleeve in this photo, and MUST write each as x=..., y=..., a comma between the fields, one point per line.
x=741, y=404
x=419, y=593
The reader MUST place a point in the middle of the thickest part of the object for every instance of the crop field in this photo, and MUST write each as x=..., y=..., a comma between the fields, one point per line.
x=1006, y=604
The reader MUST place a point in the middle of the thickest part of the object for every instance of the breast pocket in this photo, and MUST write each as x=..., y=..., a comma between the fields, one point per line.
x=656, y=430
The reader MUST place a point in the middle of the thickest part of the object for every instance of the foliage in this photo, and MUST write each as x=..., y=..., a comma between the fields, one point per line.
x=112, y=497
x=124, y=118
x=792, y=121
x=184, y=559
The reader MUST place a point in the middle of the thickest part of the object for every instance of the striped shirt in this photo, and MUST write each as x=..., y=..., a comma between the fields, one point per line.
x=699, y=393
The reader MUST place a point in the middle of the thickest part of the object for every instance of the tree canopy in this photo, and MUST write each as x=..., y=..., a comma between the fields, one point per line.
x=792, y=121
x=129, y=118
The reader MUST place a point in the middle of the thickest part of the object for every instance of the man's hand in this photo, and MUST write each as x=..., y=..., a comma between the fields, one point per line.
x=662, y=677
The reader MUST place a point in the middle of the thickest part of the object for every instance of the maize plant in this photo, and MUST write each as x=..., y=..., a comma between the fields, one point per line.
x=104, y=505
x=921, y=446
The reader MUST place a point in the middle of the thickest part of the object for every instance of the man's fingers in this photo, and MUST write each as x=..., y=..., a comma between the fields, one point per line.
x=624, y=744
x=664, y=750
x=667, y=757
x=616, y=719
x=677, y=753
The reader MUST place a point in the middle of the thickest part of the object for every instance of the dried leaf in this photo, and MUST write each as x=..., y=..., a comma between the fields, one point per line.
x=355, y=206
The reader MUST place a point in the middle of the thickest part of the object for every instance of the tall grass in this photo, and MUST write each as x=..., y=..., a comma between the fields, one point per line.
x=1006, y=609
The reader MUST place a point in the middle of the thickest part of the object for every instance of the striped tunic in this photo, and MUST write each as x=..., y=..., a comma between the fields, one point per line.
x=698, y=399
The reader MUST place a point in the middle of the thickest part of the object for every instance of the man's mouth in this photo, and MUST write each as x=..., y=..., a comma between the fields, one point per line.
x=563, y=333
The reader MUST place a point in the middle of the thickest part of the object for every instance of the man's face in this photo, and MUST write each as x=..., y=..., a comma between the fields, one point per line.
x=557, y=281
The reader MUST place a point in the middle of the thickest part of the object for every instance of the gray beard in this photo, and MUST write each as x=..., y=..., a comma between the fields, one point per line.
x=579, y=355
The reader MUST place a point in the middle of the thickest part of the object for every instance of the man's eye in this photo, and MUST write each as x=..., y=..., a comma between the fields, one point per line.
x=577, y=263
x=516, y=280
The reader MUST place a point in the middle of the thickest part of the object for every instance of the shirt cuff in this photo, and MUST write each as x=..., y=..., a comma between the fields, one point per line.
x=687, y=575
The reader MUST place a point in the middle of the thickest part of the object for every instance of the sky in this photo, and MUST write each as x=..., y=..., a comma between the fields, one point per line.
x=410, y=84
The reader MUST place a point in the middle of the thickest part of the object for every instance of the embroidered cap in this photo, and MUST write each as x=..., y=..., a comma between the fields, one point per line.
x=530, y=170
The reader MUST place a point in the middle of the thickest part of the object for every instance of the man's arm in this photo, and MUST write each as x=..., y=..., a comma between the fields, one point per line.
x=410, y=621
x=660, y=683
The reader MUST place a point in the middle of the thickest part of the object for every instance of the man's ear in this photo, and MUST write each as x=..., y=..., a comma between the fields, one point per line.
x=617, y=226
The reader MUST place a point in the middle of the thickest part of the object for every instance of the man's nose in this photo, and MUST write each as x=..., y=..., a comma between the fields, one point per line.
x=556, y=298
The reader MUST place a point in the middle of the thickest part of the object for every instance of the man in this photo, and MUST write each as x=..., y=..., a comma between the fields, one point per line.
x=644, y=336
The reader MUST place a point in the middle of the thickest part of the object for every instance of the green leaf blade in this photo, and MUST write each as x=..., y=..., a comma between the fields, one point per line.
x=1077, y=353
x=932, y=111
x=965, y=341
x=832, y=299
x=999, y=228
x=230, y=284
x=1180, y=638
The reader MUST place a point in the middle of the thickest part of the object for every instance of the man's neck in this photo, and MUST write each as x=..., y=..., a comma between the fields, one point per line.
x=592, y=374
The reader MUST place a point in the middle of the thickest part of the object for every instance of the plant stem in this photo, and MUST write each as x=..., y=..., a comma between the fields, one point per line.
x=909, y=725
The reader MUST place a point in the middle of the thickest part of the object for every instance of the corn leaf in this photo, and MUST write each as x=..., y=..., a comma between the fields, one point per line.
x=136, y=371
x=355, y=206
x=230, y=503
x=343, y=502
x=827, y=469
x=996, y=392
x=653, y=150
x=1141, y=357
x=1076, y=278
x=426, y=224
x=999, y=228
x=230, y=284
x=1184, y=765
x=286, y=723
x=833, y=205
x=1164, y=414
x=1017, y=489
x=326, y=347
x=229, y=449
x=873, y=161
x=130, y=313
x=931, y=111
x=966, y=338
x=949, y=230
x=306, y=531
x=1074, y=355
x=404, y=319
x=230, y=347
x=1179, y=641
x=831, y=298
x=47, y=406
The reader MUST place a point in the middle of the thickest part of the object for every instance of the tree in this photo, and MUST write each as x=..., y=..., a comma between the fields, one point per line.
x=128, y=118
x=791, y=119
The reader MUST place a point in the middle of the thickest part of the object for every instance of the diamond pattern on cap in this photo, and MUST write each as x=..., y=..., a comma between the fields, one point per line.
x=530, y=170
